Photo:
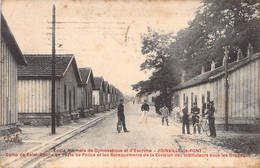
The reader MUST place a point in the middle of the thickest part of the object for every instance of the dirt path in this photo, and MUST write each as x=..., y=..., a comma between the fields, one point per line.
x=142, y=138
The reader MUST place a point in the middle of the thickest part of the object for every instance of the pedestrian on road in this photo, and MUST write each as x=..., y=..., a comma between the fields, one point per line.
x=195, y=111
x=211, y=119
x=145, y=109
x=165, y=113
x=121, y=115
x=185, y=120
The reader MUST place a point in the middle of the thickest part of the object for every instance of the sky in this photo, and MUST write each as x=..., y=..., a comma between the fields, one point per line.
x=102, y=34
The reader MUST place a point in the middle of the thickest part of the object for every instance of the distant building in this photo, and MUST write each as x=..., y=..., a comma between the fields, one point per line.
x=98, y=94
x=86, y=92
x=148, y=97
x=113, y=96
x=110, y=92
x=34, y=89
x=11, y=56
x=106, y=93
x=243, y=99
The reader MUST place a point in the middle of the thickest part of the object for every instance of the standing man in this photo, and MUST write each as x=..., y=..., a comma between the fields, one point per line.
x=185, y=120
x=121, y=115
x=145, y=109
x=211, y=119
x=195, y=111
x=165, y=113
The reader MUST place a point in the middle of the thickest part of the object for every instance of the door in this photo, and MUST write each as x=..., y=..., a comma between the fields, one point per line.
x=70, y=103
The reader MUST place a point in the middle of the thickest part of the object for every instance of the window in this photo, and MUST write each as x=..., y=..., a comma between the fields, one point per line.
x=89, y=100
x=196, y=100
x=86, y=98
x=177, y=100
x=65, y=96
x=187, y=100
x=183, y=99
x=74, y=97
x=208, y=96
x=202, y=98
x=191, y=99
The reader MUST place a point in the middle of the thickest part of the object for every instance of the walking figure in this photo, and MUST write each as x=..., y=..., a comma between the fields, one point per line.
x=185, y=120
x=195, y=111
x=145, y=109
x=165, y=113
x=121, y=115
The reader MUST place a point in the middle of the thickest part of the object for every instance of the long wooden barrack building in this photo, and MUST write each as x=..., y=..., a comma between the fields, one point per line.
x=243, y=92
x=98, y=94
x=34, y=89
x=11, y=56
x=86, y=92
x=106, y=94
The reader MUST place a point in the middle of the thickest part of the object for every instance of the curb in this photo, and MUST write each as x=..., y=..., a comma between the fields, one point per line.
x=47, y=146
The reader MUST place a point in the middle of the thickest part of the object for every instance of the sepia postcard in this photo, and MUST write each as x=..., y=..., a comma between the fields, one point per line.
x=129, y=83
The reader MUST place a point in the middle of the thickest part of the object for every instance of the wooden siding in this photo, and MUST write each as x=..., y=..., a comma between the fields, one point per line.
x=197, y=91
x=243, y=92
x=109, y=98
x=89, y=90
x=8, y=87
x=81, y=97
x=70, y=81
x=85, y=94
x=34, y=96
x=96, y=98
x=243, y=97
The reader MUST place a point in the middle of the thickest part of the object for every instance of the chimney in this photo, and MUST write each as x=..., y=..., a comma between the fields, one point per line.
x=202, y=69
x=239, y=54
x=183, y=74
x=226, y=55
x=212, y=65
x=249, y=50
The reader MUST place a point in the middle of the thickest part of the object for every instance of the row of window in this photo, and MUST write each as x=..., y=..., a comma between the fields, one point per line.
x=194, y=99
x=65, y=97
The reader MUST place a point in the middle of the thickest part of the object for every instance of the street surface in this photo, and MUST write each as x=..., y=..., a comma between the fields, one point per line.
x=151, y=136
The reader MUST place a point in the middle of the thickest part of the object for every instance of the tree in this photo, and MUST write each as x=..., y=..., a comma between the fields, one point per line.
x=156, y=46
x=218, y=23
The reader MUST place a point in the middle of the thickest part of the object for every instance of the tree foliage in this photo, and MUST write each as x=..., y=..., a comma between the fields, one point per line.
x=217, y=23
x=156, y=48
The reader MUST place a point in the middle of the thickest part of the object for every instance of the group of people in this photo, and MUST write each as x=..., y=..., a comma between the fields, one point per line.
x=208, y=109
x=164, y=111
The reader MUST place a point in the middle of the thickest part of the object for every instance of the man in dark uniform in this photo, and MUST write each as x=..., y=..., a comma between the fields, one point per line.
x=121, y=115
x=211, y=119
x=195, y=111
x=145, y=109
x=185, y=120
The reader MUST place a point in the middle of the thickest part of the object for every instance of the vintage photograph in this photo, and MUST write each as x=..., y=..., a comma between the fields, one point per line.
x=129, y=83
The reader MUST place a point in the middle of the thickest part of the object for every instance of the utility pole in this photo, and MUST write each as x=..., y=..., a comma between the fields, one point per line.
x=226, y=89
x=53, y=74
